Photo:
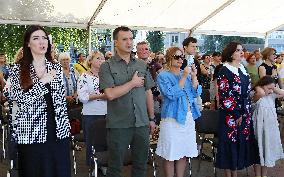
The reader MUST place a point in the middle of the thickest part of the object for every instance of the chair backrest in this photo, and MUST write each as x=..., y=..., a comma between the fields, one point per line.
x=208, y=122
x=205, y=95
x=98, y=134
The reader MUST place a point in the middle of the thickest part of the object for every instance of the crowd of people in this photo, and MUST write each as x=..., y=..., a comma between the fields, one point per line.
x=134, y=95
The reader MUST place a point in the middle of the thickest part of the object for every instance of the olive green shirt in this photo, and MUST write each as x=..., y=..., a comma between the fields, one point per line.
x=129, y=110
x=253, y=72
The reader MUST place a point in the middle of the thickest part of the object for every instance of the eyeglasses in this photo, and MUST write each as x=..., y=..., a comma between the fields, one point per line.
x=177, y=57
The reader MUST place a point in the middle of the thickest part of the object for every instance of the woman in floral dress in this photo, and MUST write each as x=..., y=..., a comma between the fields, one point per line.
x=237, y=148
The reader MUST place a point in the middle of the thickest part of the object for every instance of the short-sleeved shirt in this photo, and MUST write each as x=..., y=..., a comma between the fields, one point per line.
x=81, y=67
x=129, y=110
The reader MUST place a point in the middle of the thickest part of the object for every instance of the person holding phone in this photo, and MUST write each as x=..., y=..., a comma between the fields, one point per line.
x=177, y=138
x=190, y=50
x=42, y=126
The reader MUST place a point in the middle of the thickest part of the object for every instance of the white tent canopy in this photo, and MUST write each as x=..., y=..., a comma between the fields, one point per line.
x=227, y=17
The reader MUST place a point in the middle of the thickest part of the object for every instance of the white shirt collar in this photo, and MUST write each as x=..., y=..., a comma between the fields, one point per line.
x=235, y=69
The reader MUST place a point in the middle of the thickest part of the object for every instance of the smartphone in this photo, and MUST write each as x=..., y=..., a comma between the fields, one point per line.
x=190, y=60
x=187, y=62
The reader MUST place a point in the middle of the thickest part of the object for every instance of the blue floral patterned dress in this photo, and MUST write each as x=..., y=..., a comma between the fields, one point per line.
x=237, y=148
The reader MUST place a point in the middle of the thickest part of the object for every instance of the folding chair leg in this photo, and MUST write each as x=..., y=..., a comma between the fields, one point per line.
x=153, y=162
x=200, y=152
x=190, y=167
x=214, y=161
x=94, y=166
x=74, y=155
x=11, y=168
x=3, y=142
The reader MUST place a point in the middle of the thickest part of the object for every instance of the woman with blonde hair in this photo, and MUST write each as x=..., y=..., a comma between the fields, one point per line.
x=94, y=103
x=268, y=67
x=177, y=139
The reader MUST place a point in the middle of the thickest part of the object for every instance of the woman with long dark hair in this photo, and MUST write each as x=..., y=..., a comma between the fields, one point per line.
x=42, y=127
x=237, y=147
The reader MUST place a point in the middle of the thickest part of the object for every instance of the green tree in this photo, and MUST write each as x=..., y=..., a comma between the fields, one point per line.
x=156, y=40
x=100, y=39
x=134, y=32
x=12, y=38
x=69, y=36
x=211, y=44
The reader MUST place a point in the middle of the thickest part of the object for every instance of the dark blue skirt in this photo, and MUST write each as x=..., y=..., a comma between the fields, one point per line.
x=51, y=159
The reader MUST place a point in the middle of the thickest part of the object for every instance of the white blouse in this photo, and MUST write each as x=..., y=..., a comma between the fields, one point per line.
x=88, y=85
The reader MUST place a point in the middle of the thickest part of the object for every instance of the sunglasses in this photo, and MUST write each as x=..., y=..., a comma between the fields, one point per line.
x=177, y=57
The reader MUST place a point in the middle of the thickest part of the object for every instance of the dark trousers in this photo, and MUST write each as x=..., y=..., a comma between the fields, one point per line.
x=50, y=159
x=88, y=122
x=119, y=140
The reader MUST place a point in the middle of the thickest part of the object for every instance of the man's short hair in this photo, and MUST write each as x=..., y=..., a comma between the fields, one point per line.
x=79, y=55
x=116, y=31
x=142, y=43
x=188, y=40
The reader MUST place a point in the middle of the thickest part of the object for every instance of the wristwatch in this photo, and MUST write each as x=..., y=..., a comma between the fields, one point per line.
x=153, y=119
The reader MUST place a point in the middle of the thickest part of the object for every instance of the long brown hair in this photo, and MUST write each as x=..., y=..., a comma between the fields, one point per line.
x=266, y=52
x=25, y=62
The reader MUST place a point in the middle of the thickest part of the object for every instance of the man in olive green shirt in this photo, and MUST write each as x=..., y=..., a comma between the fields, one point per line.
x=127, y=84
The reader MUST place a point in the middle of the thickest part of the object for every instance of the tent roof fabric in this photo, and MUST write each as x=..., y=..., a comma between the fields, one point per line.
x=226, y=17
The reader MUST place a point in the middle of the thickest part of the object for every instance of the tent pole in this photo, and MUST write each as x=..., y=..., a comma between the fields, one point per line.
x=89, y=39
x=98, y=10
x=112, y=44
x=266, y=40
x=190, y=34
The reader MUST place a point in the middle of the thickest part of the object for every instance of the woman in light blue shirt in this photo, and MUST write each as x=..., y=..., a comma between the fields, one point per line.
x=177, y=138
